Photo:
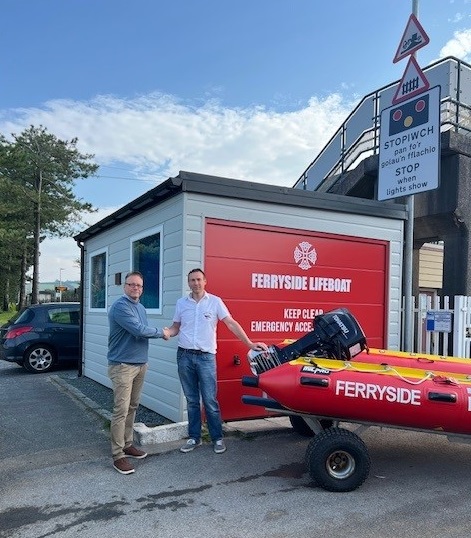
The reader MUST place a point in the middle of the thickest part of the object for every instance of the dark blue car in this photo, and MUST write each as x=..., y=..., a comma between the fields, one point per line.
x=42, y=336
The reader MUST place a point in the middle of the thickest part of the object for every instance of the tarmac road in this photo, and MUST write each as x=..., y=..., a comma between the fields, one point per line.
x=56, y=480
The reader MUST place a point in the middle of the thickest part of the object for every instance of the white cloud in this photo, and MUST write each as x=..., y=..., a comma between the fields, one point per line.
x=157, y=135
x=459, y=46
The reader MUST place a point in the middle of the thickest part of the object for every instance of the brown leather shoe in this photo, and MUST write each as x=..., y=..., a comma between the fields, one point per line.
x=133, y=452
x=123, y=466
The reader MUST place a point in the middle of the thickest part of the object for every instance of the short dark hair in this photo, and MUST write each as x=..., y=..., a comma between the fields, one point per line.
x=134, y=273
x=196, y=270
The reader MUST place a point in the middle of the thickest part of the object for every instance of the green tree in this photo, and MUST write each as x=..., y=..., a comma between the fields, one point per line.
x=13, y=245
x=39, y=171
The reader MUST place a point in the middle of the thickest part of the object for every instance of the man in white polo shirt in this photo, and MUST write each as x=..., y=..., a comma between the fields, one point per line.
x=195, y=321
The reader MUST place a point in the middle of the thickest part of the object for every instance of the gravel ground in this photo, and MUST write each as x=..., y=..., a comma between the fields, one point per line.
x=103, y=396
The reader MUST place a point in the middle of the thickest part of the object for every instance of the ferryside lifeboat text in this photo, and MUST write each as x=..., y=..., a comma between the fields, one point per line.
x=297, y=282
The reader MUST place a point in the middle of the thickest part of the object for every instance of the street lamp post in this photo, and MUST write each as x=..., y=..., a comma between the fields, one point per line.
x=60, y=284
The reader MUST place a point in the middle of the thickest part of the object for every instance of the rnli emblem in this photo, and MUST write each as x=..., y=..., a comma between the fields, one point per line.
x=305, y=255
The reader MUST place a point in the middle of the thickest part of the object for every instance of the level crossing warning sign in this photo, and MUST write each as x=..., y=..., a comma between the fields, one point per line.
x=412, y=83
x=409, y=146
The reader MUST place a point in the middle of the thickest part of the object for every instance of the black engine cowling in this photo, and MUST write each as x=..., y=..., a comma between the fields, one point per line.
x=336, y=335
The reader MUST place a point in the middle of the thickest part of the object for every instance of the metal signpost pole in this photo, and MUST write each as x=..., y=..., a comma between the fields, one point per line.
x=408, y=256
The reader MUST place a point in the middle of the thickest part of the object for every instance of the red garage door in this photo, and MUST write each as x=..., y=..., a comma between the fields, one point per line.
x=275, y=280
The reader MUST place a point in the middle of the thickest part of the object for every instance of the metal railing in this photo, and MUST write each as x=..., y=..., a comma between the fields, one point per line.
x=454, y=340
x=358, y=136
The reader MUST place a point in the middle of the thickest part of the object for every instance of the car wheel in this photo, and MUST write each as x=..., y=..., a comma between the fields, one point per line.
x=38, y=359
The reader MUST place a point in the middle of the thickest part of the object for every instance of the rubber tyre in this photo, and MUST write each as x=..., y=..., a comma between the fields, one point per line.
x=302, y=427
x=338, y=460
x=38, y=359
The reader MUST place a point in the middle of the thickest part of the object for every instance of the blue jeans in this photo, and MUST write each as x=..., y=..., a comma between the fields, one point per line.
x=198, y=377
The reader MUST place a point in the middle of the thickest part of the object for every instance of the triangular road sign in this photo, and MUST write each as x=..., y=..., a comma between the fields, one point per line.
x=412, y=83
x=413, y=39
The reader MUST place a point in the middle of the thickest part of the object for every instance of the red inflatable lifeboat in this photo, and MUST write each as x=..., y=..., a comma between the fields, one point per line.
x=329, y=375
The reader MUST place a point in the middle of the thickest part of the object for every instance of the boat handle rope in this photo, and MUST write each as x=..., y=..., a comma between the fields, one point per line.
x=388, y=368
x=427, y=375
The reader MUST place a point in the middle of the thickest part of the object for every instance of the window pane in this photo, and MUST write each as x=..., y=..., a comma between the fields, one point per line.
x=98, y=281
x=146, y=259
x=60, y=315
x=26, y=316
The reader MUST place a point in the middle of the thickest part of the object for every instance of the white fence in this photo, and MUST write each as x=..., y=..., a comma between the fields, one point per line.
x=441, y=328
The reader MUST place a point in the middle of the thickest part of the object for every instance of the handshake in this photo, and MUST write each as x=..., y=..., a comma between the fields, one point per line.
x=166, y=333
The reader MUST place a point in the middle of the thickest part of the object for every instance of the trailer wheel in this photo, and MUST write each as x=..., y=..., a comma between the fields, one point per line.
x=338, y=460
x=302, y=427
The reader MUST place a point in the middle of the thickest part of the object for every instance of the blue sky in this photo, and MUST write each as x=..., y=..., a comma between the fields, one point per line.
x=250, y=89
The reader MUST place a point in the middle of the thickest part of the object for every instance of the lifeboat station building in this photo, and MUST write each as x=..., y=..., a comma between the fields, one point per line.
x=277, y=256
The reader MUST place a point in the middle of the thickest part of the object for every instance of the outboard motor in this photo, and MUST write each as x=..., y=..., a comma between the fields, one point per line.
x=336, y=335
